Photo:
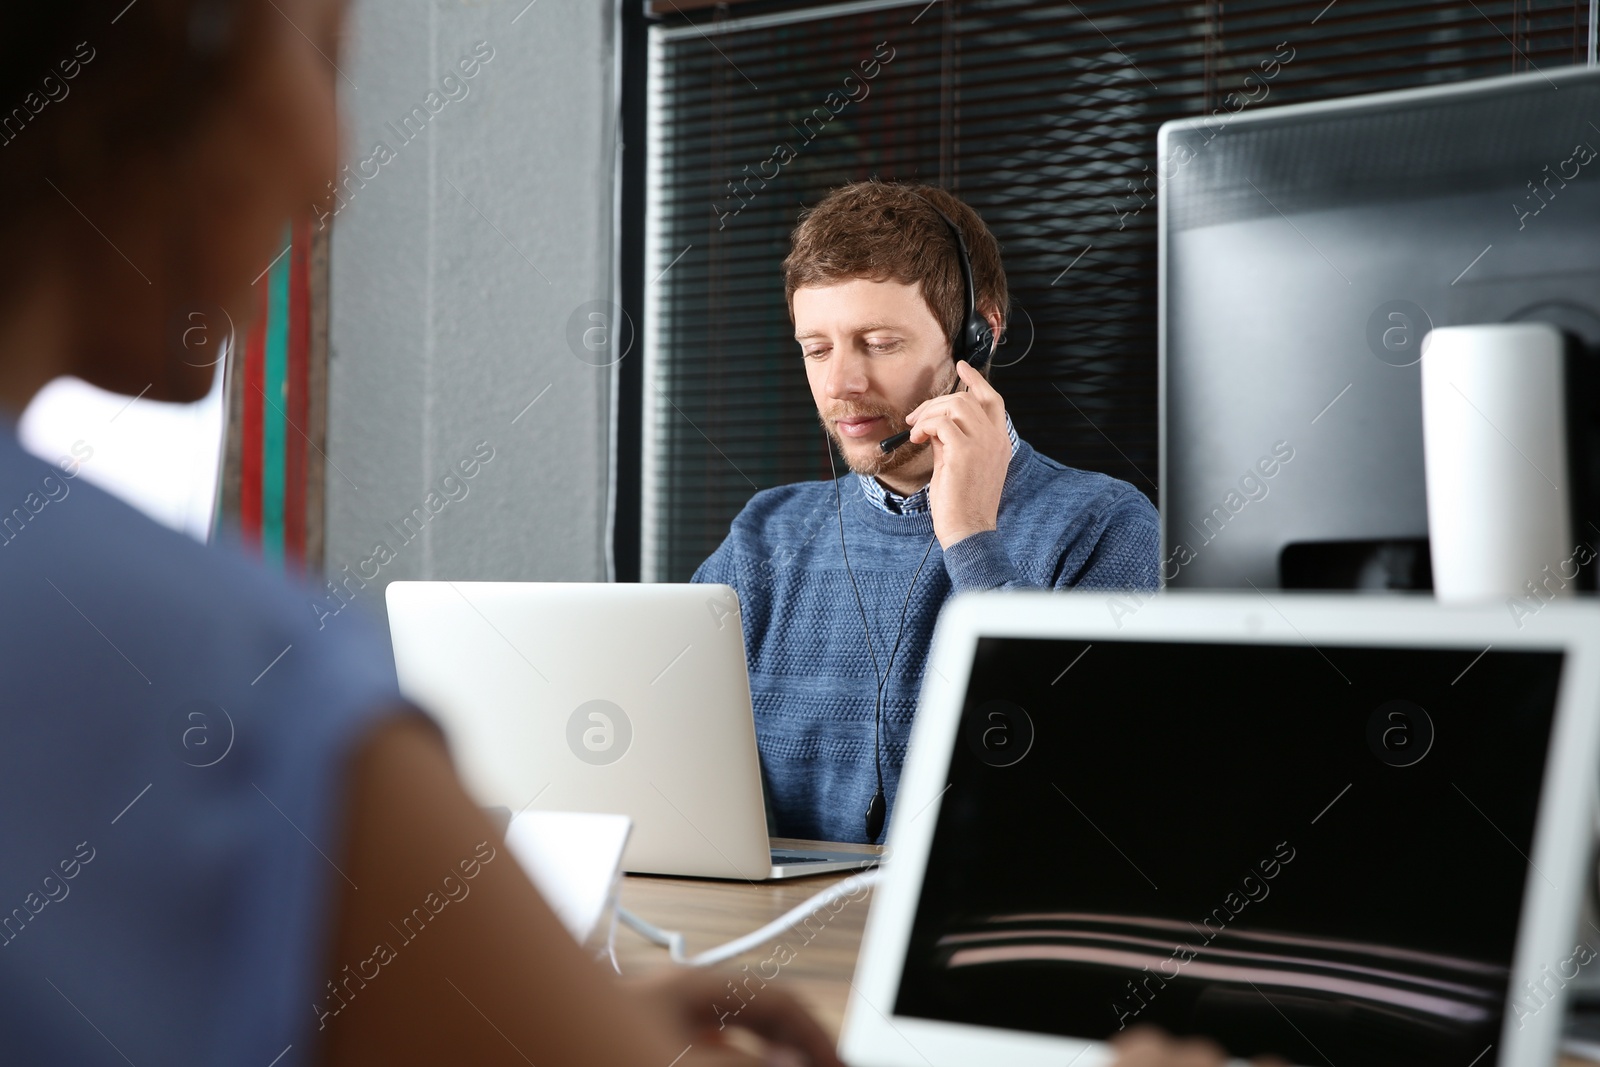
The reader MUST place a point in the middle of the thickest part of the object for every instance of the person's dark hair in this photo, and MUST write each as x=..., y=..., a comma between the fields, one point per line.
x=891, y=230
x=88, y=85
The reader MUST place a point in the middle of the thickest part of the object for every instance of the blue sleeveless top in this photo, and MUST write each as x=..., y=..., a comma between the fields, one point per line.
x=175, y=737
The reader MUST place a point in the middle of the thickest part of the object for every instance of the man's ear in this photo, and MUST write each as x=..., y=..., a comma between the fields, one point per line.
x=997, y=327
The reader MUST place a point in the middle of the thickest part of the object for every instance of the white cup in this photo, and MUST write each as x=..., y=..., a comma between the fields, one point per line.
x=1494, y=439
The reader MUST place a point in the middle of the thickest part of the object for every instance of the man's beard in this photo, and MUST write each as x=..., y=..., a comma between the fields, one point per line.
x=875, y=462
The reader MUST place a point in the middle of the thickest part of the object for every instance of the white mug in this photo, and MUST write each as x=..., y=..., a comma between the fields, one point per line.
x=1494, y=434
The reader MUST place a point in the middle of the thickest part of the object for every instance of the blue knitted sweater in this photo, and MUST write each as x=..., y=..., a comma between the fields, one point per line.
x=811, y=678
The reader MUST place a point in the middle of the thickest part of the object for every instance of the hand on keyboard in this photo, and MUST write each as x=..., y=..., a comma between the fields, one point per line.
x=789, y=1034
x=1145, y=1046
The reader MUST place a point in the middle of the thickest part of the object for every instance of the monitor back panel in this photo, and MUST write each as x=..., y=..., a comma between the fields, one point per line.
x=1305, y=252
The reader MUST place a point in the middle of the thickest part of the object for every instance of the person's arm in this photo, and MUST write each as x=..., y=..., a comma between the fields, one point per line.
x=493, y=977
x=980, y=561
x=1147, y=1046
x=1126, y=556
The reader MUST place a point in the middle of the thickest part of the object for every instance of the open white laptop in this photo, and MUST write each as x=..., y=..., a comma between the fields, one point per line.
x=1351, y=830
x=631, y=699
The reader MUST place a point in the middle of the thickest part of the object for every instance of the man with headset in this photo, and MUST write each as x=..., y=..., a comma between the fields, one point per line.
x=898, y=299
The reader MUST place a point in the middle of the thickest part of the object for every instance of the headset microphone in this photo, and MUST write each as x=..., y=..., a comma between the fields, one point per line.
x=974, y=340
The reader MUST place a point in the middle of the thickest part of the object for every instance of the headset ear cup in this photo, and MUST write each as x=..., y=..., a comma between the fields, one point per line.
x=982, y=346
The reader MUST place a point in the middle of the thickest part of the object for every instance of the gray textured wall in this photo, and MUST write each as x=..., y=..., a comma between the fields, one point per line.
x=455, y=270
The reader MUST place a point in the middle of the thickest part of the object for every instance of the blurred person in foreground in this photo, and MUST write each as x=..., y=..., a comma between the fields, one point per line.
x=206, y=861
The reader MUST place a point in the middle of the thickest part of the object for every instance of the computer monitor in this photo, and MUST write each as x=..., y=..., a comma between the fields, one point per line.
x=1305, y=251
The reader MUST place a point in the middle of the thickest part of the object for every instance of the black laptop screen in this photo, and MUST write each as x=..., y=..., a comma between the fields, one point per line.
x=1315, y=853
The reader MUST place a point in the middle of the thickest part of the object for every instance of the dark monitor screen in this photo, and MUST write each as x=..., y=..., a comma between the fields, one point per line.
x=1314, y=853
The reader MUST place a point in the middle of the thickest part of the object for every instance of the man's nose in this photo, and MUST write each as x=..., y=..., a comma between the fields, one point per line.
x=846, y=374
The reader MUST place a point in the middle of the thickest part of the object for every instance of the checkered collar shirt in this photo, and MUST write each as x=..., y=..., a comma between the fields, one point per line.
x=885, y=499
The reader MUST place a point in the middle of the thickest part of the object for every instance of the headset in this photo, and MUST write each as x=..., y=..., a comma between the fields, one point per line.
x=974, y=342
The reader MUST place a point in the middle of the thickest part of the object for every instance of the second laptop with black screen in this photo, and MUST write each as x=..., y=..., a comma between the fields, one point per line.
x=1332, y=830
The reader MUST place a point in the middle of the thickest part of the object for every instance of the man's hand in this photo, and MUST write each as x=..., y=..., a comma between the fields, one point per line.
x=971, y=452
x=1146, y=1046
x=689, y=999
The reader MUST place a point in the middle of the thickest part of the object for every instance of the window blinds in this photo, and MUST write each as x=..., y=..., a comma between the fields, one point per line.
x=1043, y=117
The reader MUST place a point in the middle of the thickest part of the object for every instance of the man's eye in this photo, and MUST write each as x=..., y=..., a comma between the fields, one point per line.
x=814, y=353
x=882, y=346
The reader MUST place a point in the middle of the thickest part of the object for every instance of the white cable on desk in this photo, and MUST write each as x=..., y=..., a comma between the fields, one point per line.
x=611, y=934
x=672, y=940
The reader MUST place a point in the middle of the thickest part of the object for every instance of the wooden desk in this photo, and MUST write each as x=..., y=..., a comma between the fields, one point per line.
x=821, y=956
x=712, y=913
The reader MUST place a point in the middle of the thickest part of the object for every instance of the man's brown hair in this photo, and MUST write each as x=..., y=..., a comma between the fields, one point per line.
x=889, y=230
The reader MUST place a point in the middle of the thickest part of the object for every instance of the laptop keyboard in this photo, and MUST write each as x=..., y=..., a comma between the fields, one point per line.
x=786, y=859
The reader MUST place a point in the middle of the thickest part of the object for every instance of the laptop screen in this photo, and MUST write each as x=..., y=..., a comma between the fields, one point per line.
x=1317, y=853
